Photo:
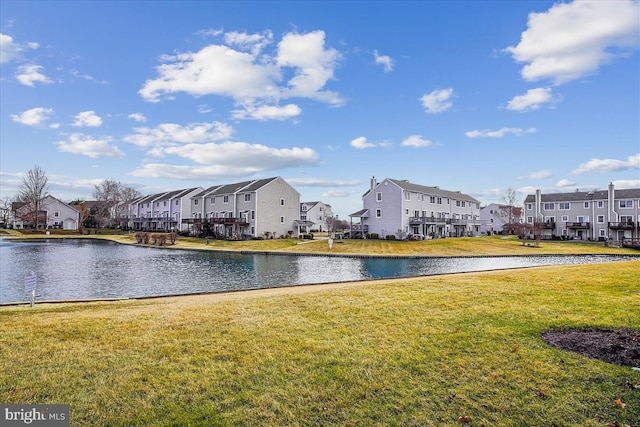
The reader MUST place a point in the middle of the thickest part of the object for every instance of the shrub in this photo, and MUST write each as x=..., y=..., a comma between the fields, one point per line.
x=373, y=236
x=391, y=237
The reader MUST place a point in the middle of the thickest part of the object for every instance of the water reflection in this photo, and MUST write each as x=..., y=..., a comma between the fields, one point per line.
x=85, y=269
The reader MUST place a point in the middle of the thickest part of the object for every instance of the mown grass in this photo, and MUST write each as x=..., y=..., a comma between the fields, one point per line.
x=460, y=246
x=411, y=352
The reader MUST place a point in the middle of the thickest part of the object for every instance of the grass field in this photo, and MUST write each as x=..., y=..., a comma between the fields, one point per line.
x=434, y=351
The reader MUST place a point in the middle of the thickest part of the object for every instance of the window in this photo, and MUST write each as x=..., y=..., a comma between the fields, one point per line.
x=583, y=218
x=281, y=202
x=564, y=206
x=626, y=204
x=177, y=202
x=457, y=202
x=603, y=233
x=550, y=219
x=304, y=208
x=565, y=218
x=247, y=197
x=56, y=214
x=164, y=203
x=281, y=220
x=601, y=219
x=586, y=205
x=303, y=217
x=600, y=204
x=439, y=200
x=406, y=211
x=529, y=206
x=213, y=200
x=378, y=213
x=432, y=199
x=225, y=199
x=195, y=202
x=253, y=214
x=549, y=206
x=407, y=195
x=626, y=219
x=378, y=197
x=529, y=220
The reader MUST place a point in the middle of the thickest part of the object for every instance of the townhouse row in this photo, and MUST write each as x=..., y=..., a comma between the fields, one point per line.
x=271, y=207
x=593, y=215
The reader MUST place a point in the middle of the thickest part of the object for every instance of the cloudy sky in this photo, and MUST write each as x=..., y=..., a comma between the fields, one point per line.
x=471, y=96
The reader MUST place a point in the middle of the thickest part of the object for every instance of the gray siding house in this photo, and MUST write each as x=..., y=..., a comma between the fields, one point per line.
x=593, y=215
x=259, y=208
x=407, y=210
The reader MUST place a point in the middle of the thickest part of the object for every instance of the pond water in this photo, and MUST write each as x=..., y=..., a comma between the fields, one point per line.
x=70, y=269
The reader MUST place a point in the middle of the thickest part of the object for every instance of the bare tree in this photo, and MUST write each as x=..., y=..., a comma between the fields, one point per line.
x=32, y=192
x=509, y=212
x=112, y=201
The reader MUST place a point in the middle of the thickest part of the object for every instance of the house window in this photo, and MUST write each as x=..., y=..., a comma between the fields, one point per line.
x=253, y=214
x=281, y=220
x=439, y=200
x=586, y=205
x=603, y=233
x=213, y=200
x=626, y=219
x=549, y=206
x=304, y=208
x=529, y=220
x=225, y=199
x=177, y=202
x=303, y=217
x=432, y=199
x=247, y=197
x=565, y=218
x=56, y=214
x=406, y=211
x=457, y=202
x=600, y=204
x=564, y=206
x=583, y=219
x=378, y=213
x=195, y=202
x=407, y=195
x=550, y=219
x=281, y=202
x=164, y=203
x=600, y=219
x=626, y=204
x=378, y=197
x=529, y=206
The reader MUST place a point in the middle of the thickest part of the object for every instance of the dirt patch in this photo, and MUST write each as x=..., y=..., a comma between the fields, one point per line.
x=618, y=346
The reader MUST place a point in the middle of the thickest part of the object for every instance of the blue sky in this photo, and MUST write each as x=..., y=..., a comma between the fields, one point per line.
x=466, y=95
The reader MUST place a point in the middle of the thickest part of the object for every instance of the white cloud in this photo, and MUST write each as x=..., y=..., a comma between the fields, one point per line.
x=267, y=112
x=384, y=60
x=29, y=75
x=627, y=183
x=532, y=100
x=541, y=174
x=563, y=183
x=361, y=143
x=138, y=117
x=33, y=117
x=9, y=49
x=572, y=40
x=251, y=76
x=87, y=119
x=167, y=134
x=498, y=133
x=608, y=165
x=228, y=159
x=337, y=193
x=416, y=141
x=437, y=101
x=88, y=146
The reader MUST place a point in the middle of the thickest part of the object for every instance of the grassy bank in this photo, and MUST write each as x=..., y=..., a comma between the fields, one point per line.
x=434, y=351
x=461, y=246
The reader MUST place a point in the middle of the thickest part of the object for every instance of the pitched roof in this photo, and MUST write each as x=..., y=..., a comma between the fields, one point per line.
x=580, y=196
x=432, y=191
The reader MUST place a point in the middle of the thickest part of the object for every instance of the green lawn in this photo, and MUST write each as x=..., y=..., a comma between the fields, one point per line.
x=433, y=351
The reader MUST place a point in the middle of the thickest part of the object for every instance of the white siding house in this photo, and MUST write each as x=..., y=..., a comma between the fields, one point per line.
x=52, y=214
x=259, y=208
x=318, y=213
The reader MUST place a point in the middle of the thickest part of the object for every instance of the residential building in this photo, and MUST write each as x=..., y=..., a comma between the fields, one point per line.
x=407, y=210
x=52, y=213
x=318, y=213
x=586, y=215
x=498, y=218
x=259, y=208
x=161, y=211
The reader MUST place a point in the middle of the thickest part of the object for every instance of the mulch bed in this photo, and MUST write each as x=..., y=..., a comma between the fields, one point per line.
x=617, y=346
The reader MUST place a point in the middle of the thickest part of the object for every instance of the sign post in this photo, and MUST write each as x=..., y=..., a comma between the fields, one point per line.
x=30, y=286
